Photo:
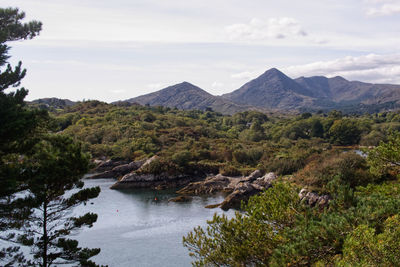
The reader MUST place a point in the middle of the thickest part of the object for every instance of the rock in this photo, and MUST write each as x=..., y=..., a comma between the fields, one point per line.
x=303, y=193
x=160, y=181
x=148, y=161
x=125, y=168
x=109, y=165
x=266, y=180
x=119, y=170
x=210, y=185
x=243, y=191
x=180, y=199
x=323, y=201
x=240, y=188
x=314, y=199
x=254, y=175
x=106, y=174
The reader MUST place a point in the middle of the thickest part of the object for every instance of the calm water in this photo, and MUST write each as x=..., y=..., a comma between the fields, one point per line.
x=134, y=230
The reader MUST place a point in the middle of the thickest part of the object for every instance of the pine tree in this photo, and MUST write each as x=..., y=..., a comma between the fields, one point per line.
x=37, y=169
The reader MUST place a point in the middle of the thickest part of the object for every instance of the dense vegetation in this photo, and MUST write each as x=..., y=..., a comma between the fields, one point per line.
x=316, y=151
x=212, y=142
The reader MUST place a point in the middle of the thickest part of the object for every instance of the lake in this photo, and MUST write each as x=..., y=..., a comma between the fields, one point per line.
x=135, y=230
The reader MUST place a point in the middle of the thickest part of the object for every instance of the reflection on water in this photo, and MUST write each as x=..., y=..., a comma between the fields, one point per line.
x=140, y=227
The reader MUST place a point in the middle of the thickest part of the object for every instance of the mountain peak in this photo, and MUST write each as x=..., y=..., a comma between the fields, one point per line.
x=273, y=71
x=185, y=83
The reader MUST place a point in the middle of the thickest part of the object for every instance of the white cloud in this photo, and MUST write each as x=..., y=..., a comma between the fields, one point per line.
x=382, y=7
x=274, y=28
x=369, y=68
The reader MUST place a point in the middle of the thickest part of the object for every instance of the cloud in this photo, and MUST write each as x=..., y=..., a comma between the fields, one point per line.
x=369, y=68
x=274, y=28
x=383, y=7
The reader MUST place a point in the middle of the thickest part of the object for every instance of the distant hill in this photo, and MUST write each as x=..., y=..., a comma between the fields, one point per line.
x=272, y=90
x=188, y=96
x=275, y=90
x=52, y=103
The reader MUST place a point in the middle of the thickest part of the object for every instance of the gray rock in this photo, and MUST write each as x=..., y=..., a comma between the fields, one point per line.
x=314, y=199
x=109, y=165
x=119, y=170
x=266, y=180
x=303, y=193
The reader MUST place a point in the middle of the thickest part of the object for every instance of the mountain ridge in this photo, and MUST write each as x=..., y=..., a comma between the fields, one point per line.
x=272, y=91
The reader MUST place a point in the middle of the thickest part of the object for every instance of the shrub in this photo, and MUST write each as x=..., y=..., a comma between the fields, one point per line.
x=229, y=170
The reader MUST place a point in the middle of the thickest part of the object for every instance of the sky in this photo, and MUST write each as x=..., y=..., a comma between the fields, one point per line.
x=114, y=50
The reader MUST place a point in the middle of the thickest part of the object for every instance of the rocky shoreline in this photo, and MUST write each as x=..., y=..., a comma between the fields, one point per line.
x=239, y=189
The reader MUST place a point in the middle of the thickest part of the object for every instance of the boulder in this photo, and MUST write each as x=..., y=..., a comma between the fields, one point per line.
x=243, y=191
x=254, y=175
x=266, y=180
x=313, y=199
x=210, y=185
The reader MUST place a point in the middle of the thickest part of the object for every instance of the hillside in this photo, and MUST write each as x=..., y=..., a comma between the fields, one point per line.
x=187, y=96
x=275, y=90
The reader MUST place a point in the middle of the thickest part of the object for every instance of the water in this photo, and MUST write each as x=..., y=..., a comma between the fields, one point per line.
x=134, y=230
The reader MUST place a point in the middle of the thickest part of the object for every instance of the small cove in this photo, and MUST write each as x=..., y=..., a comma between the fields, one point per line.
x=135, y=230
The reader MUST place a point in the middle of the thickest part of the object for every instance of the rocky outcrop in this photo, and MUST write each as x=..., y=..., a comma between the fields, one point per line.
x=239, y=188
x=210, y=185
x=139, y=179
x=108, y=165
x=156, y=181
x=242, y=192
x=313, y=199
x=114, y=169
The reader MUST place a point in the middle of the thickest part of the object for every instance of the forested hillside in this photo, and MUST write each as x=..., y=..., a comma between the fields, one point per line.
x=320, y=153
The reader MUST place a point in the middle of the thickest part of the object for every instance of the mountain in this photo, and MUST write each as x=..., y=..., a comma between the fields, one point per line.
x=188, y=96
x=275, y=90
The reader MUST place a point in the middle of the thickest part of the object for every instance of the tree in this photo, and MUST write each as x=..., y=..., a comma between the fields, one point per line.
x=247, y=239
x=344, y=132
x=386, y=157
x=363, y=247
x=17, y=123
x=36, y=170
x=55, y=166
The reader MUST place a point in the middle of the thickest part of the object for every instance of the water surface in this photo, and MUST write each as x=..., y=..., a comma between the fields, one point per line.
x=135, y=230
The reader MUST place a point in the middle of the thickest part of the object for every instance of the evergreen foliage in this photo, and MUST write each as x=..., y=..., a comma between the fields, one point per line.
x=37, y=168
